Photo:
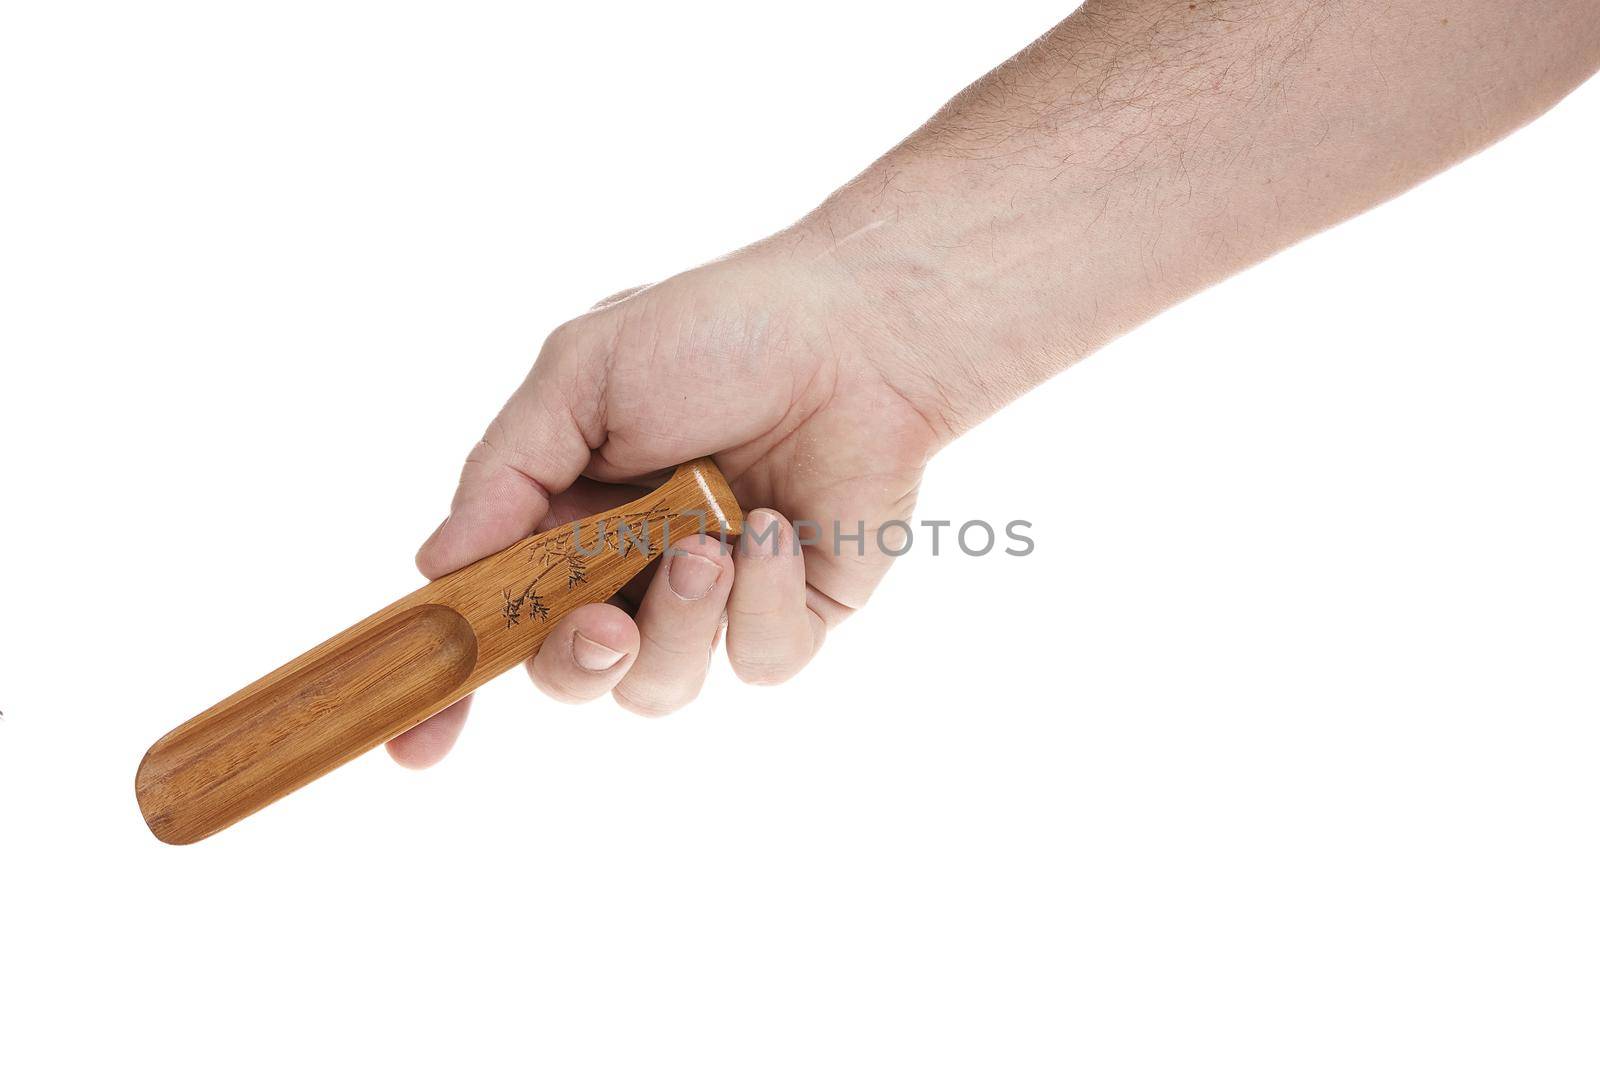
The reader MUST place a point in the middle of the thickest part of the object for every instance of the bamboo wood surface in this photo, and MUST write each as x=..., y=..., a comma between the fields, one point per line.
x=410, y=660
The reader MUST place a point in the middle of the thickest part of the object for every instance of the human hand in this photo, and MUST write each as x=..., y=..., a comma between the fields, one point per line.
x=1135, y=154
x=771, y=362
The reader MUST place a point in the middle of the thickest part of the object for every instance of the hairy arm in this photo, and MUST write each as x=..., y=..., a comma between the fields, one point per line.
x=1144, y=149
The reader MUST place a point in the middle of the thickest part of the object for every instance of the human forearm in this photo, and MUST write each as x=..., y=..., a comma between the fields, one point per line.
x=1144, y=149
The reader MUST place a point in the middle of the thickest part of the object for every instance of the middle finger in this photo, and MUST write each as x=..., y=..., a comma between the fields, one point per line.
x=678, y=622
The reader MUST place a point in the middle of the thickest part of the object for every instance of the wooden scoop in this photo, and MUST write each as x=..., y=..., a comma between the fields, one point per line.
x=416, y=657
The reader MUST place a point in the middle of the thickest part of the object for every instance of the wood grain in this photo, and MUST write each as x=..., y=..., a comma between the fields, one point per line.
x=410, y=660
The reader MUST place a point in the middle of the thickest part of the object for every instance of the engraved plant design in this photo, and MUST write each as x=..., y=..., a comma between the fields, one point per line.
x=512, y=609
x=563, y=550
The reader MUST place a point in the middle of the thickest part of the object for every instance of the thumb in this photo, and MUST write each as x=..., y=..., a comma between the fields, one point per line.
x=538, y=445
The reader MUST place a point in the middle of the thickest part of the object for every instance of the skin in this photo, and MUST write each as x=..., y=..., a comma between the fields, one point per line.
x=1137, y=153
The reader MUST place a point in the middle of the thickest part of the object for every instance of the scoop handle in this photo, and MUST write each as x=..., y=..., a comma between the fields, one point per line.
x=411, y=660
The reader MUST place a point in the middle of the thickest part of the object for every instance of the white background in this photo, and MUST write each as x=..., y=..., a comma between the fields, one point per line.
x=1280, y=749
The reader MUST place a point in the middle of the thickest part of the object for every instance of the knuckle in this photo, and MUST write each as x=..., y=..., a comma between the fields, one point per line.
x=764, y=670
x=618, y=296
x=560, y=340
x=656, y=698
x=559, y=690
x=665, y=646
x=758, y=612
x=564, y=694
x=495, y=449
x=649, y=703
x=771, y=655
x=484, y=454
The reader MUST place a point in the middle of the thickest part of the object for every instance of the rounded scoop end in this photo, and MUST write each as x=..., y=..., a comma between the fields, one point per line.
x=302, y=721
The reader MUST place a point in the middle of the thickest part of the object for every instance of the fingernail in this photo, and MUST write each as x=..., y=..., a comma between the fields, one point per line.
x=761, y=534
x=691, y=576
x=592, y=655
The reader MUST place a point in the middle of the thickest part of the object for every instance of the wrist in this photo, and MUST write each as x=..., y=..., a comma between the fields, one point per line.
x=959, y=276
